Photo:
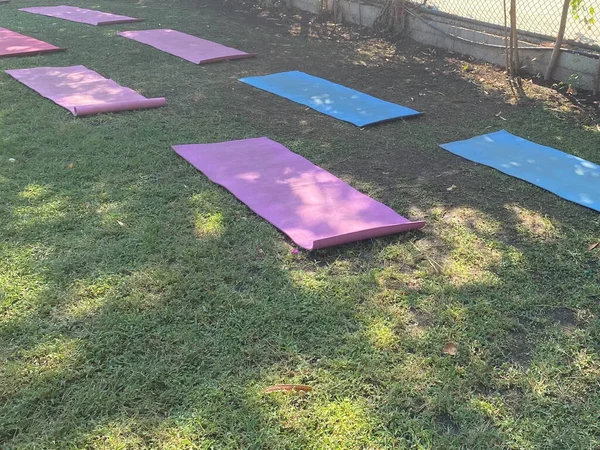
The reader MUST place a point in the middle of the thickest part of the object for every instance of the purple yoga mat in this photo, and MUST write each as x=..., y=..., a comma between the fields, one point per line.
x=80, y=15
x=16, y=44
x=312, y=206
x=82, y=91
x=190, y=48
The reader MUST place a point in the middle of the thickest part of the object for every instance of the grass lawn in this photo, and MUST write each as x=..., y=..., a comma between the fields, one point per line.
x=142, y=306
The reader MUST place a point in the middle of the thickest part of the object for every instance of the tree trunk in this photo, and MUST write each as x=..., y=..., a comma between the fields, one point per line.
x=559, y=41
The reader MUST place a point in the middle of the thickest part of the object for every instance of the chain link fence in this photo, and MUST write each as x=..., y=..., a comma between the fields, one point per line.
x=540, y=17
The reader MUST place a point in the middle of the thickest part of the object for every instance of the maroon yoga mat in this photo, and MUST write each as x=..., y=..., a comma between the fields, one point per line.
x=80, y=15
x=82, y=91
x=16, y=44
x=190, y=48
x=312, y=206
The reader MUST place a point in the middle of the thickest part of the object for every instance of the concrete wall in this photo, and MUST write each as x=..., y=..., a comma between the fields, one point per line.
x=472, y=39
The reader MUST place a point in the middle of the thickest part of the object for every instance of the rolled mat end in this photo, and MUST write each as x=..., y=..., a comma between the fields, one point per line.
x=88, y=110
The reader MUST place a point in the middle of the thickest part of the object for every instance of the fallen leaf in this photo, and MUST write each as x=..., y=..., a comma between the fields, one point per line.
x=594, y=246
x=450, y=349
x=70, y=166
x=260, y=251
x=288, y=388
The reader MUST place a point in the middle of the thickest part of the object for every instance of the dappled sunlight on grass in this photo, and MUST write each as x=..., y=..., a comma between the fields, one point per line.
x=419, y=325
x=400, y=253
x=45, y=361
x=415, y=211
x=86, y=298
x=346, y=422
x=41, y=209
x=208, y=217
x=479, y=250
x=532, y=224
x=35, y=192
x=380, y=334
x=400, y=284
x=115, y=435
x=157, y=432
x=491, y=408
x=472, y=262
x=475, y=220
x=209, y=224
x=308, y=281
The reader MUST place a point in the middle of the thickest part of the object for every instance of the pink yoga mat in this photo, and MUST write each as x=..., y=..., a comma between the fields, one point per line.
x=80, y=15
x=82, y=91
x=312, y=206
x=16, y=44
x=190, y=48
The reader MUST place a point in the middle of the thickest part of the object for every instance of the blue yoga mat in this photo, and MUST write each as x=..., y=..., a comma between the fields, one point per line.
x=565, y=175
x=329, y=98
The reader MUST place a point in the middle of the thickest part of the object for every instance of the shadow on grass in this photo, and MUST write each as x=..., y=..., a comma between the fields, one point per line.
x=127, y=334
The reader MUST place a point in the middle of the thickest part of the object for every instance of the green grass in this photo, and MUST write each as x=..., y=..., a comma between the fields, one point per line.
x=141, y=306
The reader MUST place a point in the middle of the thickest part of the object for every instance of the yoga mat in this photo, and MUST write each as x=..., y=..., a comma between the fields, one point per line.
x=565, y=175
x=329, y=98
x=16, y=44
x=82, y=91
x=190, y=48
x=80, y=15
x=313, y=207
